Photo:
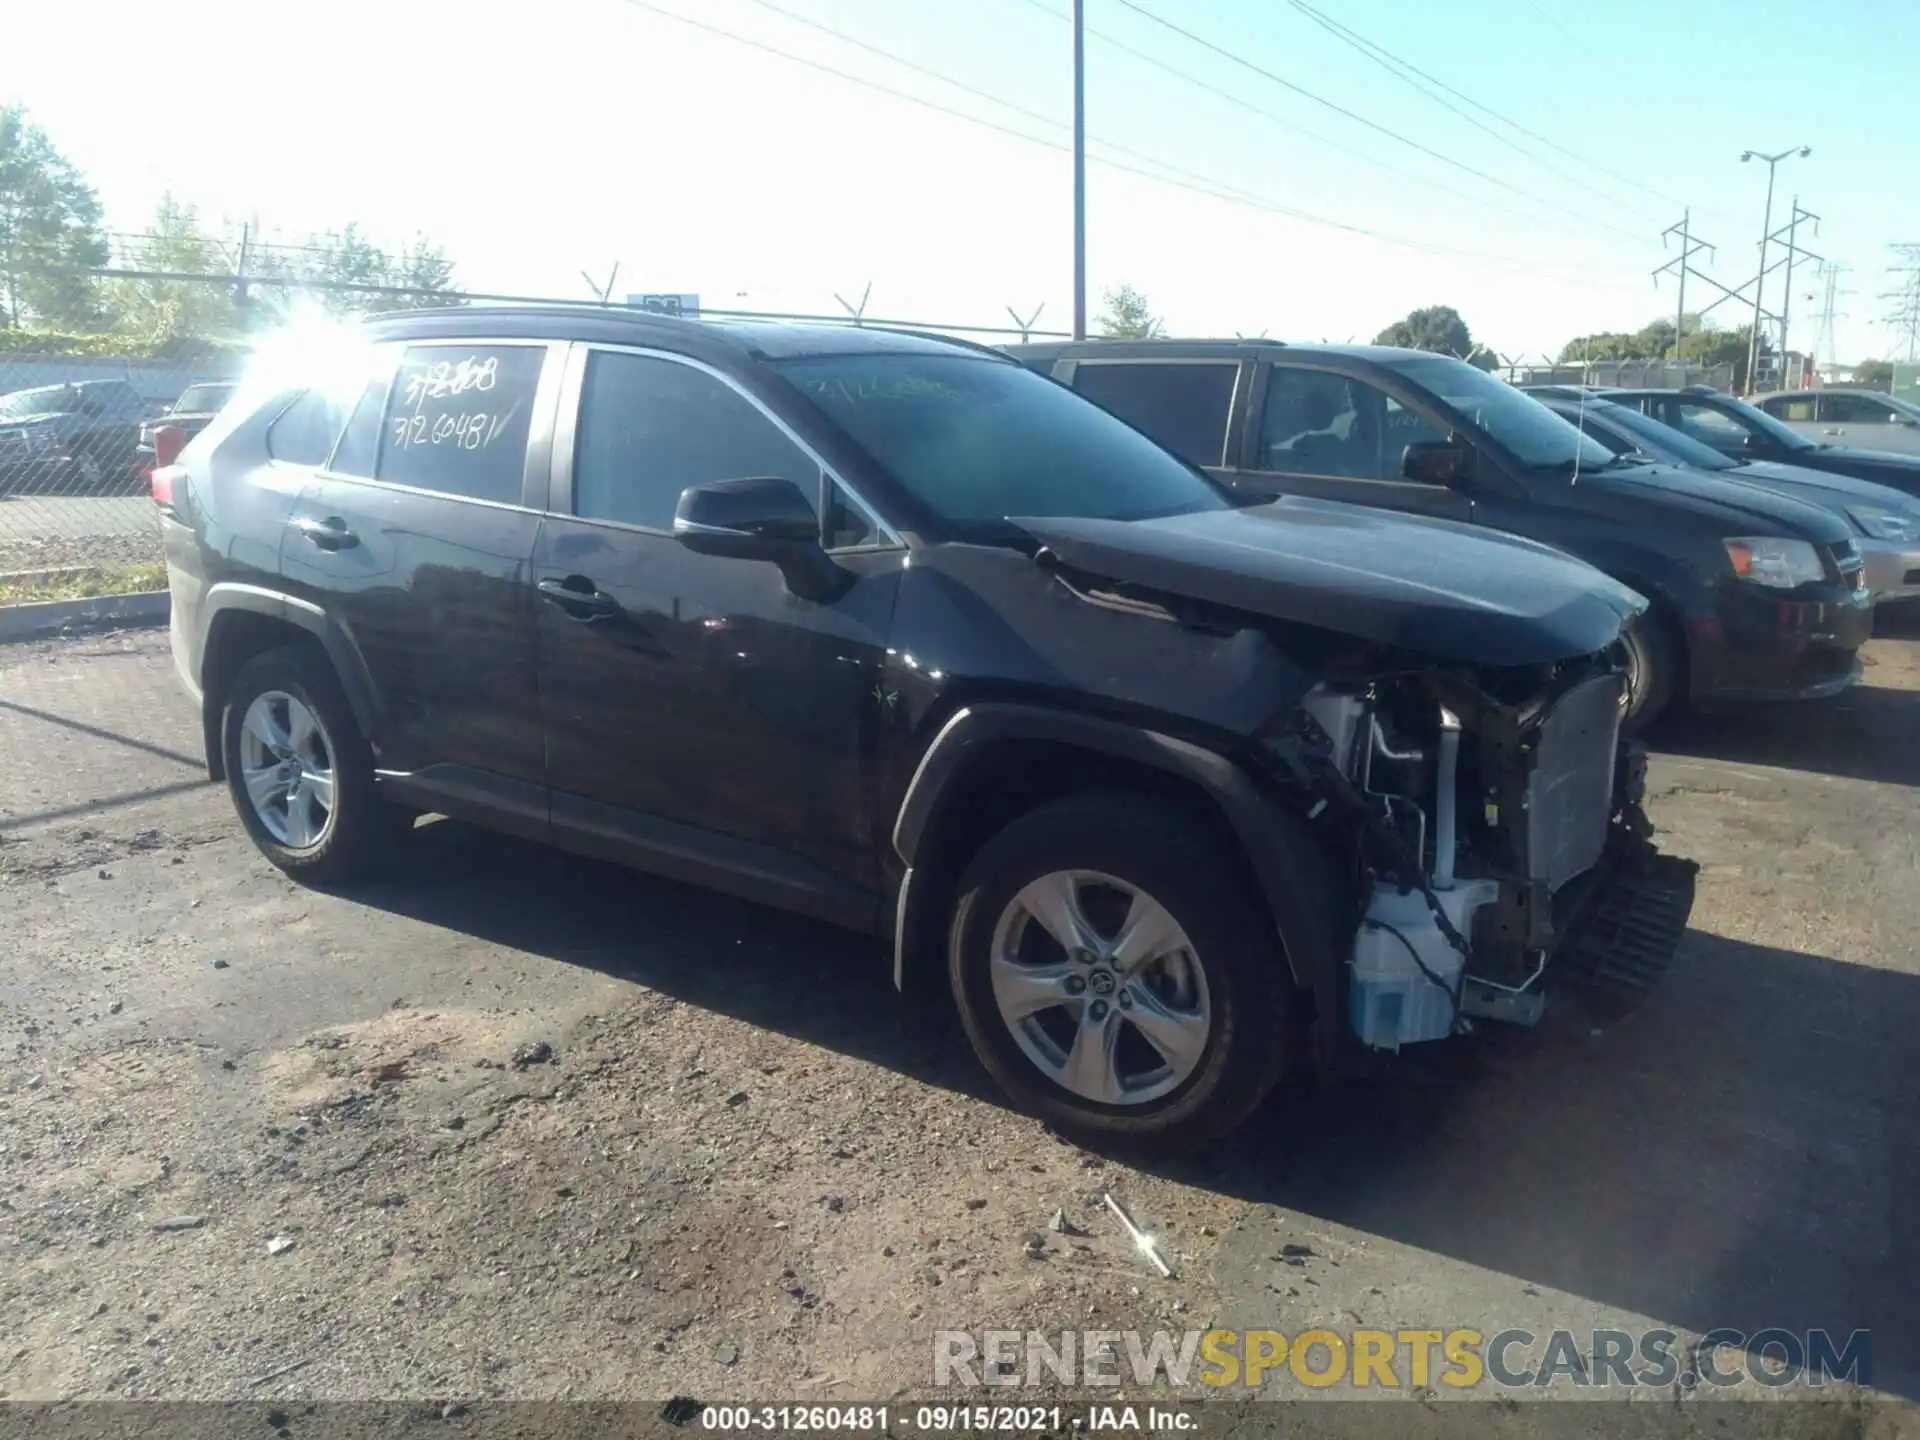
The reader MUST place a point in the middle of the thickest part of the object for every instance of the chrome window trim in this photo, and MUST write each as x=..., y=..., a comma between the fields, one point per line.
x=566, y=425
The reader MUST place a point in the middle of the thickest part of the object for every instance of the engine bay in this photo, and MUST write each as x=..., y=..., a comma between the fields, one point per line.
x=1480, y=805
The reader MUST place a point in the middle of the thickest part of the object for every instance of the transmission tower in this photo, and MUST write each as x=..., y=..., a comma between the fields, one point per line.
x=1903, y=316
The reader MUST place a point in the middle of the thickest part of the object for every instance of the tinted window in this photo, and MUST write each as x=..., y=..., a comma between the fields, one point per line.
x=458, y=420
x=1852, y=409
x=1790, y=407
x=848, y=526
x=977, y=440
x=1317, y=423
x=1184, y=407
x=305, y=432
x=649, y=428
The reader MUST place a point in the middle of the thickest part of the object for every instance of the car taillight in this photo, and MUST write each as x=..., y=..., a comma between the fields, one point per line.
x=160, y=482
x=168, y=442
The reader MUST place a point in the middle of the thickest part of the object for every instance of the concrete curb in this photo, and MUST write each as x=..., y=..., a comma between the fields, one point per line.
x=51, y=617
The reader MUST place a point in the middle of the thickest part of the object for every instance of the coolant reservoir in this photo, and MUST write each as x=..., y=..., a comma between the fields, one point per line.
x=1390, y=1002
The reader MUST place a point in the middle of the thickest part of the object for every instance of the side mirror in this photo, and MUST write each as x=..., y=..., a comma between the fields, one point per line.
x=1436, y=462
x=762, y=518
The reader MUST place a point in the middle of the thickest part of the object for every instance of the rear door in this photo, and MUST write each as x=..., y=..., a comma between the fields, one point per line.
x=416, y=537
x=1865, y=422
x=1336, y=437
x=1186, y=405
x=699, y=716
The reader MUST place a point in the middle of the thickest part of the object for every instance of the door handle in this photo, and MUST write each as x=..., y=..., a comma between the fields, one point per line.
x=579, y=597
x=328, y=534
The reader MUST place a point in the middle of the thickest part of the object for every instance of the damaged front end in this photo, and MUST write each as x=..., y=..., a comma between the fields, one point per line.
x=1493, y=819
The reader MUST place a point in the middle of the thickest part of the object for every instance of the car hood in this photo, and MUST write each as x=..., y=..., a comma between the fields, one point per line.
x=44, y=417
x=1713, y=495
x=1823, y=485
x=1442, y=589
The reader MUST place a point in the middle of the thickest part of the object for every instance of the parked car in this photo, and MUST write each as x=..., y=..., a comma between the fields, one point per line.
x=1865, y=419
x=1886, y=523
x=1744, y=432
x=1754, y=596
x=189, y=414
x=887, y=630
x=77, y=438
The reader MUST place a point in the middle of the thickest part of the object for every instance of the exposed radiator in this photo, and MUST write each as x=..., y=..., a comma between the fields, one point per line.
x=1570, y=792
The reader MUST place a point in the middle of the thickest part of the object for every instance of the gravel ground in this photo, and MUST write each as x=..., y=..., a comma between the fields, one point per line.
x=262, y=1142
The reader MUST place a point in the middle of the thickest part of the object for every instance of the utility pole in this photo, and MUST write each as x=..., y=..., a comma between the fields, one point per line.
x=1766, y=233
x=1079, y=170
x=1681, y=264
x=1793, y=250
x=1905, y=314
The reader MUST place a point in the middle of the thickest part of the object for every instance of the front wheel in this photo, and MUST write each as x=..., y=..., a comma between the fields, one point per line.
x=1113, y=975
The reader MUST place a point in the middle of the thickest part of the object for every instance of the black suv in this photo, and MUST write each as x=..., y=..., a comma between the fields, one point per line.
x=1746, y=432
x=890, y=631
x=75, y=439
x=1756, y=596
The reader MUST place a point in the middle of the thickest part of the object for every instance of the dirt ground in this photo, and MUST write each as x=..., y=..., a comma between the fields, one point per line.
x=264, y=1143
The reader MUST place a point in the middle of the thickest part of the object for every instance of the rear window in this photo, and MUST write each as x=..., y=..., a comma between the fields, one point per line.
x=202, y=399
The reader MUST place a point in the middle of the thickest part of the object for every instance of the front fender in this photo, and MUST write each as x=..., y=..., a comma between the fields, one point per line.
x=1291, y=869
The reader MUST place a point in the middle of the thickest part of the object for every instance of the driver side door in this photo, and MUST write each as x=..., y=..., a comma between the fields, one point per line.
x=1332, y=436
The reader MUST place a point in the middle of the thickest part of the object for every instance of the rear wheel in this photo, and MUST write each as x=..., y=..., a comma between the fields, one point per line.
x=1114, y=977
x=300, y=773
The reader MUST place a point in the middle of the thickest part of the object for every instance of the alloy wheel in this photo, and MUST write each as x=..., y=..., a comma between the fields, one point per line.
x=287, y=769
x=1100, y=987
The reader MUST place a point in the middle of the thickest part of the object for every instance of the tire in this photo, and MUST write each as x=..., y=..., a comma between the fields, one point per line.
x=1225, y=965
x=261, y=722
x=1654, y=672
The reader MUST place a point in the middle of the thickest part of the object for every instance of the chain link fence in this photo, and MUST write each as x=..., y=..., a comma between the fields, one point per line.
x=1626, y=374
x=75, y=452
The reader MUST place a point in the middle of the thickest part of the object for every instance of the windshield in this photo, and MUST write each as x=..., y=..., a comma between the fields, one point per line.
x=47, y=400
x=977, y=440
x=202, y=399
x=1518, y=423
x=1662, y=442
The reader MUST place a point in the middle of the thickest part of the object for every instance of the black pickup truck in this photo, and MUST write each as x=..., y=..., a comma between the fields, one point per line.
x=80, y=438
x=1755, y=596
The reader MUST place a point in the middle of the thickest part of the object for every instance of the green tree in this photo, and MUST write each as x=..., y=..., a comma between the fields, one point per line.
x=1440, y=329
x=158, y=311
x=49, y=221
x=348, y=257
x=1874, y=375
x=1127, y=316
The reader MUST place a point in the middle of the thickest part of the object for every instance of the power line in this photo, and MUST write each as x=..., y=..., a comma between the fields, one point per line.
x=1530, y=216
x=1407, y=70
x=1196, y=183
x=1322, y=101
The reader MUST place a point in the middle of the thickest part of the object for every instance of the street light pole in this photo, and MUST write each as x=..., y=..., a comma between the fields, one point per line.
x=1760, y=280
x=1079, y=171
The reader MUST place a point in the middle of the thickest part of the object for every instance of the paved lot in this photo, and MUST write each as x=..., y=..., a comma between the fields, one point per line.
x=751, y=1171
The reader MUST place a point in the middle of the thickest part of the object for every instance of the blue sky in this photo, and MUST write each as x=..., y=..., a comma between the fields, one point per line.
x=537, y=140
